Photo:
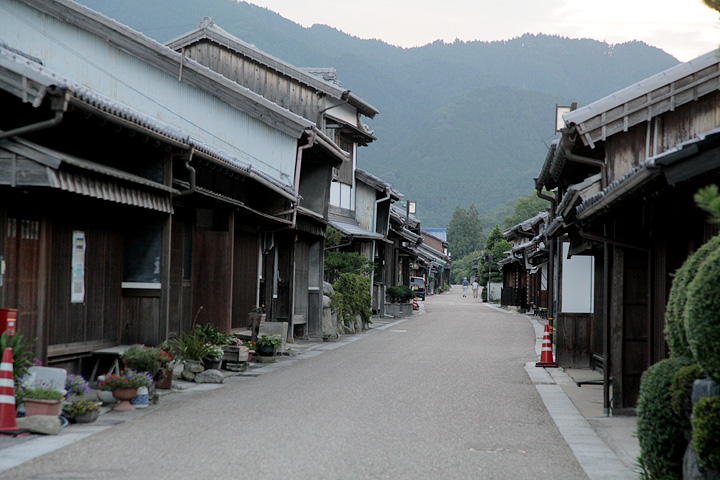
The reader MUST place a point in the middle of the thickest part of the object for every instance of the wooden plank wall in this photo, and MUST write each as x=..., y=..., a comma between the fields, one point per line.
x=245, y=275
x=277, y=88
x=573, y=339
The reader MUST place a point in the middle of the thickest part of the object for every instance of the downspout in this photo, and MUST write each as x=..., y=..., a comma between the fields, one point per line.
x=192, y=172
x=58, y=103
x=551, y=266
x=298, y=168
x=591, y=161
x=606, y=325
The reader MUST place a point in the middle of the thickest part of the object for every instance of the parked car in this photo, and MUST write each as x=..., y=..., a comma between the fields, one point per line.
x=417, y=284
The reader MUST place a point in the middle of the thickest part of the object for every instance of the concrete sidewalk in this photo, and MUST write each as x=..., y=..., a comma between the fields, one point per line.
x=605, y=446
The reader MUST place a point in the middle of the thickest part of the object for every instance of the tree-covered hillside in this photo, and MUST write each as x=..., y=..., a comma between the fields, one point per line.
x=459, y=123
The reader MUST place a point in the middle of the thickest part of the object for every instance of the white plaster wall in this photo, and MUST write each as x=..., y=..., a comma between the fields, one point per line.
x=578, y=283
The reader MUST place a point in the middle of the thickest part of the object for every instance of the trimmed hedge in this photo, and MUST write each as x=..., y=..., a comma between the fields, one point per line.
x=681, y=393
x=706, y=432
x=400, y=294
x=675, y=311
x=702, y=321
x=660, y=430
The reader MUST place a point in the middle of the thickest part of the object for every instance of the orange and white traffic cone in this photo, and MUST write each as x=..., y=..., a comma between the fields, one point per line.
x=546, y=355
x=8, y=427
x=415, y=304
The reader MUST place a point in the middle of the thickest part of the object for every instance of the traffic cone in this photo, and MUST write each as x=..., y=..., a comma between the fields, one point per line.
x=415, y=304
x=8, y=427
x=546, y=355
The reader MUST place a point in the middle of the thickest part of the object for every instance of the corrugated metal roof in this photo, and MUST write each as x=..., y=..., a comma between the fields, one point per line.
x=96, y=181
x=646, y=99
x=353, y=229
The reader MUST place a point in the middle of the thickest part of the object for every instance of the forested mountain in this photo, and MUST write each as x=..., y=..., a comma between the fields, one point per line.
x=459, y=123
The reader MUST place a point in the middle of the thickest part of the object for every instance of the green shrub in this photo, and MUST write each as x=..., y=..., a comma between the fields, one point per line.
x=681, y=393
x=400, y=294
x=337, y=263
x=675, y=311
x=706, y=432
x=660, y=430
x=356, y=299
x=702, y=322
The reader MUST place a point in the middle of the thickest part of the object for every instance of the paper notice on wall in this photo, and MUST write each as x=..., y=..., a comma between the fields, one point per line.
x=77, y=289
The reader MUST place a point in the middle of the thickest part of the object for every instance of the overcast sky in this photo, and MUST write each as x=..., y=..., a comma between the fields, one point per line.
x=683, y=28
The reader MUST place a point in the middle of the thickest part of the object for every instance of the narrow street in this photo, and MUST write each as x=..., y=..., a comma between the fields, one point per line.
x=442, y=395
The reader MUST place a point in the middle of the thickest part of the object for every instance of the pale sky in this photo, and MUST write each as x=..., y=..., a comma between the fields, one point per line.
x=682, y=28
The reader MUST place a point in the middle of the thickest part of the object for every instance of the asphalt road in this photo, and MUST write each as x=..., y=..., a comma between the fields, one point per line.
x=442, y=395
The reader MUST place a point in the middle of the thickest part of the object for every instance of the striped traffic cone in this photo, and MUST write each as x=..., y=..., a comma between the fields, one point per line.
x=8, y=427
x=415, y=304
x=546, y=355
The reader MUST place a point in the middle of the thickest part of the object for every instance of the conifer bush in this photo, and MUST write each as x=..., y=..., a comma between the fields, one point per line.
x=702, y=321
x=675, y=311
x=681, y=393
x=660, y=429
x=706, y=432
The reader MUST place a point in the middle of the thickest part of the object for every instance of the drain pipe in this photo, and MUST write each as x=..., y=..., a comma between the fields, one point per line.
x=298, y=168
x=192, y=175
x=551, y=267
x=58, y=103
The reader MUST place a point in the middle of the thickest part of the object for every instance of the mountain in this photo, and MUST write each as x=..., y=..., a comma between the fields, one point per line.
x=459, y=123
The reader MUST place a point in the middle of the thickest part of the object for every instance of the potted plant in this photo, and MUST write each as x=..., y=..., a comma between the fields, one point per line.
x=125, y=386
x=42, y=399
x=164, y=376
x=256, y=318
x=191, y=347
x=81, y=411
x=141, y=358
x=76, y=385
x=213, y=358
x=268, y=344
x=22, y=355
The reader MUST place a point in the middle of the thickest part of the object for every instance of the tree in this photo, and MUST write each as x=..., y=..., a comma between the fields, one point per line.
x=464, y=267
x=524, y=208
x=496, y=246
x=465, y=231
x=714, y=4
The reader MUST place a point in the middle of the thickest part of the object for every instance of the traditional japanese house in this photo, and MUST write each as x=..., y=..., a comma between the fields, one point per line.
x=653, y=144
x=406, y=235
x=134, y=183
x=525, y=269
x=372, y=211
x=435, y=249
x=292, y=262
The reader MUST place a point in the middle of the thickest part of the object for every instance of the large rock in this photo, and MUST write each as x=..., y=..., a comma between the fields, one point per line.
x=328, y=288
x=210, y=376
x=187, y=375
x=45, y=424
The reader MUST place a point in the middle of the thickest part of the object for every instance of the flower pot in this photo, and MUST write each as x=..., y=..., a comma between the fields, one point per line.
x=212, y=363
x=165, y=376
x=106, y=396
x=266, y=350
x=124, y=395
x=88, y=417
x=141, y=399
x=36, y=406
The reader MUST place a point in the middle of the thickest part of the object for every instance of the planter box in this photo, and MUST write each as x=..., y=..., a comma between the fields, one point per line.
x=275, y=328
x=398, y=309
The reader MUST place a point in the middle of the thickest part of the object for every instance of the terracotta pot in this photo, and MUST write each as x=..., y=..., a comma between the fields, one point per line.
x=124, y=395
x=36, y=406
x=165, y=376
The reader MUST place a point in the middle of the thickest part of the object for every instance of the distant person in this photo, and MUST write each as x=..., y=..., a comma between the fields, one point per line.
x=465, y=286
x=475, y=287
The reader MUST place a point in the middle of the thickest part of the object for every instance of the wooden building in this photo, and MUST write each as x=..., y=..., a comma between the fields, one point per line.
x=636, y=158
x=292, y=259
x=135, y=183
